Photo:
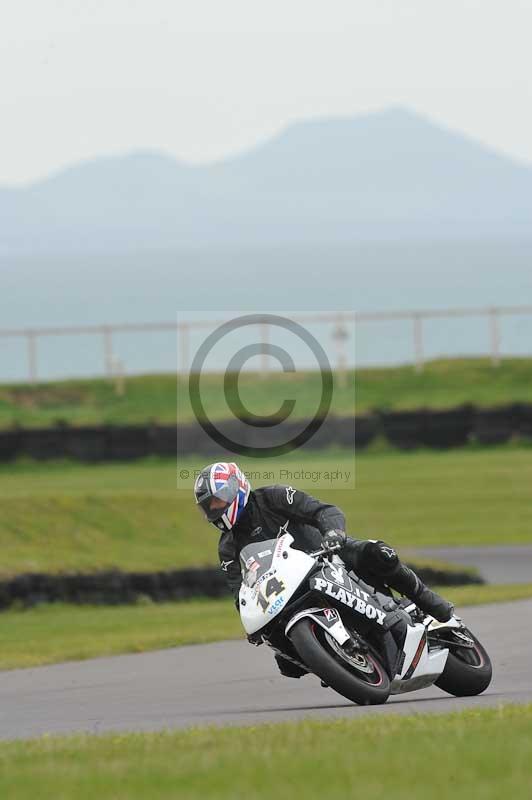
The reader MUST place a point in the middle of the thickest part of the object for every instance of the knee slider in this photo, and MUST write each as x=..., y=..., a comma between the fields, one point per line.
x=380, y=558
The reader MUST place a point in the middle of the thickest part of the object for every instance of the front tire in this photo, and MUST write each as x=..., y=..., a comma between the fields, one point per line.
x=311, y=644
x=468, y=670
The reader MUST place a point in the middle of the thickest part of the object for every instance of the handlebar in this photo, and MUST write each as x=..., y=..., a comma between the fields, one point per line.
x=325, y=551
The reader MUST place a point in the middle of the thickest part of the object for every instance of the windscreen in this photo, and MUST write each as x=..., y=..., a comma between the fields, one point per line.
x=255, y=560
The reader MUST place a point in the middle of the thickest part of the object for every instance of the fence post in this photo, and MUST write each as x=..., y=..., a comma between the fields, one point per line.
x=108, y=350
x=31, y=339
x=495, y=336
x=183, y=336
x=418, y=343
x=265, y=340
x=340, y=335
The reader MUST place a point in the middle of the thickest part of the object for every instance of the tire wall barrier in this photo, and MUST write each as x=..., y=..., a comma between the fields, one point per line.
x=406, y=430
x=113, y=587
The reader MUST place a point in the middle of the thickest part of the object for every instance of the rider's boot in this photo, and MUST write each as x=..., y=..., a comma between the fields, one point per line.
x=405, y=580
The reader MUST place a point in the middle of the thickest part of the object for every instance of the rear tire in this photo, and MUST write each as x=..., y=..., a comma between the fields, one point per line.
x=468, y=671
x=310, y=643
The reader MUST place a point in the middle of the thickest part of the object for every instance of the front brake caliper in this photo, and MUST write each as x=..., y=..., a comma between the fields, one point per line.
x=354, y=645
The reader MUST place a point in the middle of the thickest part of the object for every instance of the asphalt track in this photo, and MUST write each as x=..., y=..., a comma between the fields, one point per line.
x=496, y=564
x=230, y=683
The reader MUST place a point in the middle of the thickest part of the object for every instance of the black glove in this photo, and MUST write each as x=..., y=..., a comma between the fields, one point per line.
x=334, y=540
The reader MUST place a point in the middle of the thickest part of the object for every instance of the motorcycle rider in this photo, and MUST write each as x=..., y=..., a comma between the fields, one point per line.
x=243, y=516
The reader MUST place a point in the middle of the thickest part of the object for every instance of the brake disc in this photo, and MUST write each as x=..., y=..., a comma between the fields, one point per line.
x=358, y=660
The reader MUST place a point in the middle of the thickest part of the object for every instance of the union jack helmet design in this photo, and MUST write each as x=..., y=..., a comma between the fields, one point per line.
x=226, y=482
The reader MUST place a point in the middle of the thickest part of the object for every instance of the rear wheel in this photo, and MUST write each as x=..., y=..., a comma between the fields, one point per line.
x=468, y=669
x=359, y=677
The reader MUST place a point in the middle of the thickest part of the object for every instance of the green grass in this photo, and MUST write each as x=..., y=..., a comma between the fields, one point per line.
x=465, y=596
x=60, y=516
x=473, y=755
x=53, y=633
x=443, y=383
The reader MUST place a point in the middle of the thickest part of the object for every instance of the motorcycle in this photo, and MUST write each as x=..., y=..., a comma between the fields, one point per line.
x=359, y=641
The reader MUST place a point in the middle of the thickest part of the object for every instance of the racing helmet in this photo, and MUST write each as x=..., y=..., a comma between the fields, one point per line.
x=226, y=484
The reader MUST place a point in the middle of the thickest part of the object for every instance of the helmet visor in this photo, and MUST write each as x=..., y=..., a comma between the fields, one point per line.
x=215, y=504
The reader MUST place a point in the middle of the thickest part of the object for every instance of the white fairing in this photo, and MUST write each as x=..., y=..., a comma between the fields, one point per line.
x=290, y=571
x=337, y=631
x=421, y=667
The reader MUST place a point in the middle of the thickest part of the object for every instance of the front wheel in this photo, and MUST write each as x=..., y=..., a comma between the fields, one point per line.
x=468, y=669
x=360, y=678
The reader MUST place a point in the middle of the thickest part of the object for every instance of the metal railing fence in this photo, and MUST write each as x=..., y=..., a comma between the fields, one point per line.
x=112, y=365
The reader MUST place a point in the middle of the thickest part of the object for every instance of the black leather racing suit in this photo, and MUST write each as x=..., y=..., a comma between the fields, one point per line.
x=274, y=510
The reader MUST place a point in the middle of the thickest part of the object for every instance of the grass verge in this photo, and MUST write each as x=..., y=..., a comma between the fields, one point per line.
x=473, y=755
x=442, y=384
x=63, y=516
x=53, y=633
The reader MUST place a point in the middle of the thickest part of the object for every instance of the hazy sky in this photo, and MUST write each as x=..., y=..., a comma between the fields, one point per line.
x=205, y=78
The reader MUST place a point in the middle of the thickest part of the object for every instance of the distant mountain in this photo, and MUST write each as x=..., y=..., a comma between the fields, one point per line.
x=387, y=175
